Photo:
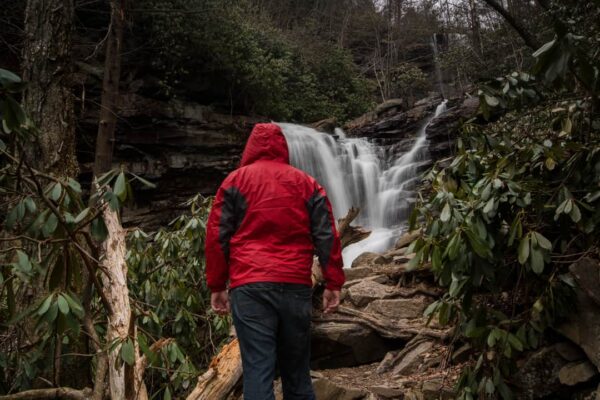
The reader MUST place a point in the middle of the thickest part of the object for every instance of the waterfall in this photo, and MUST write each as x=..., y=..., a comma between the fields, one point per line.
x=357, y=172
x=438, y=69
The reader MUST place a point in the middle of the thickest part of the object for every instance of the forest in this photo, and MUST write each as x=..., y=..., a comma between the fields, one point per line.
x=458, y=141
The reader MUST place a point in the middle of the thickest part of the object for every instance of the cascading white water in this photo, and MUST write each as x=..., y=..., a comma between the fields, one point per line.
x=357, y=172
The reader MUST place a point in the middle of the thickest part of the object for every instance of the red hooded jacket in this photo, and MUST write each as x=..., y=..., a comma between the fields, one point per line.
x=268, y=219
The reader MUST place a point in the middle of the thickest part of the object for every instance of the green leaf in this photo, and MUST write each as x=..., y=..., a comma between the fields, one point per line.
x=30, y=205
x=74, y=305
x=56, y=192
x=575, y=213
x=514, y=229
x=489, y=206
x=7, y=77
x=144, y=181
x=515, y=342
x=446, y=213
x=537, y=260
x=491, y=100
x=45, y=305
x=73, y=184
x=542, y=241
x=127, y=352
x=436, y=259
x=50, y=225
x=167, y=395
x=23, y=262
x=63, y=306
x=81, y=216
x=524, y=250
x=120, y=188
x=547, y=46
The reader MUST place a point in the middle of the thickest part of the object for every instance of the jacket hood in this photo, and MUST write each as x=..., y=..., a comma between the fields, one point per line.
x=266, y=142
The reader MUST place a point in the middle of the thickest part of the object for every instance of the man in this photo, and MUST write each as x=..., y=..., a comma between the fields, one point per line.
x=267, y=221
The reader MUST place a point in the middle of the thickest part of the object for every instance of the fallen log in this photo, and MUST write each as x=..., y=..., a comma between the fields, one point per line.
x=225, y=370
x=223, y=374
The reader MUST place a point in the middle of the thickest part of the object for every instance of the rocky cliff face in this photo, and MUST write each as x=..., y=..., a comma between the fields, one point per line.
x=184, y=148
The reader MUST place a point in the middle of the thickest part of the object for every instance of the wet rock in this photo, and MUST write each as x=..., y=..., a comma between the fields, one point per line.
x=411, y=360
x=393, y=122
x=569, y=351
x=366, y=259
x=583, y=326
x=587, y=275
x=434, y=389
x=327, y=125
x=391, y=104
x=383, y=279
x=538, y=377
x=327, y=390
x=366, y=291
x=357, y=273
x=577, y=372
x=387, y=392
x=382, y=259
x=338, y=344
x=408, y=308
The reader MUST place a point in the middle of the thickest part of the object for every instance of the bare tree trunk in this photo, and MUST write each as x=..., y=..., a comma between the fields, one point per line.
x=110, y=89
x=528, y=37
x=475, y=27
x=49, y=102
x=48, y=98
x=126, y=381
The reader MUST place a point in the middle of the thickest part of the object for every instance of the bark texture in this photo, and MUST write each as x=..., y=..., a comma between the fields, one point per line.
x=110, y=89
x=125, y=382
x=48, y=98
x=224, y=372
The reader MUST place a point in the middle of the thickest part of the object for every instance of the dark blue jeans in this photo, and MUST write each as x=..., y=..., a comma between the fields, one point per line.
x=272, y=321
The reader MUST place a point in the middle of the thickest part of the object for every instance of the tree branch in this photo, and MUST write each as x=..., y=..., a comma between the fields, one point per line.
x=529, y=38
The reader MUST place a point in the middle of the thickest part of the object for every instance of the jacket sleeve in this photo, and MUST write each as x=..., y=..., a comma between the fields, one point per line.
x=226, y=215
x=326, y=239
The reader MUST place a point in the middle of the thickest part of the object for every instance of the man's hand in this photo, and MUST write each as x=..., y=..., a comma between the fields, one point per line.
x=220, y=302
x=331, y=300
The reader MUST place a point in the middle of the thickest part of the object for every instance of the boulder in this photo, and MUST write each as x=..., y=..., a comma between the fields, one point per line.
x=327, y=390
x=412, y=307
x=538, y=376
x=366, y=291
x=387, y=392
x=577, y=372
x=366, y=259
x=412, y=359
x=341, y=344
x=357, y=273
x=327, y=125
x=569, y=351
x=434, y=389
x=391, y=104
x=587, y=275
x=583, y=325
